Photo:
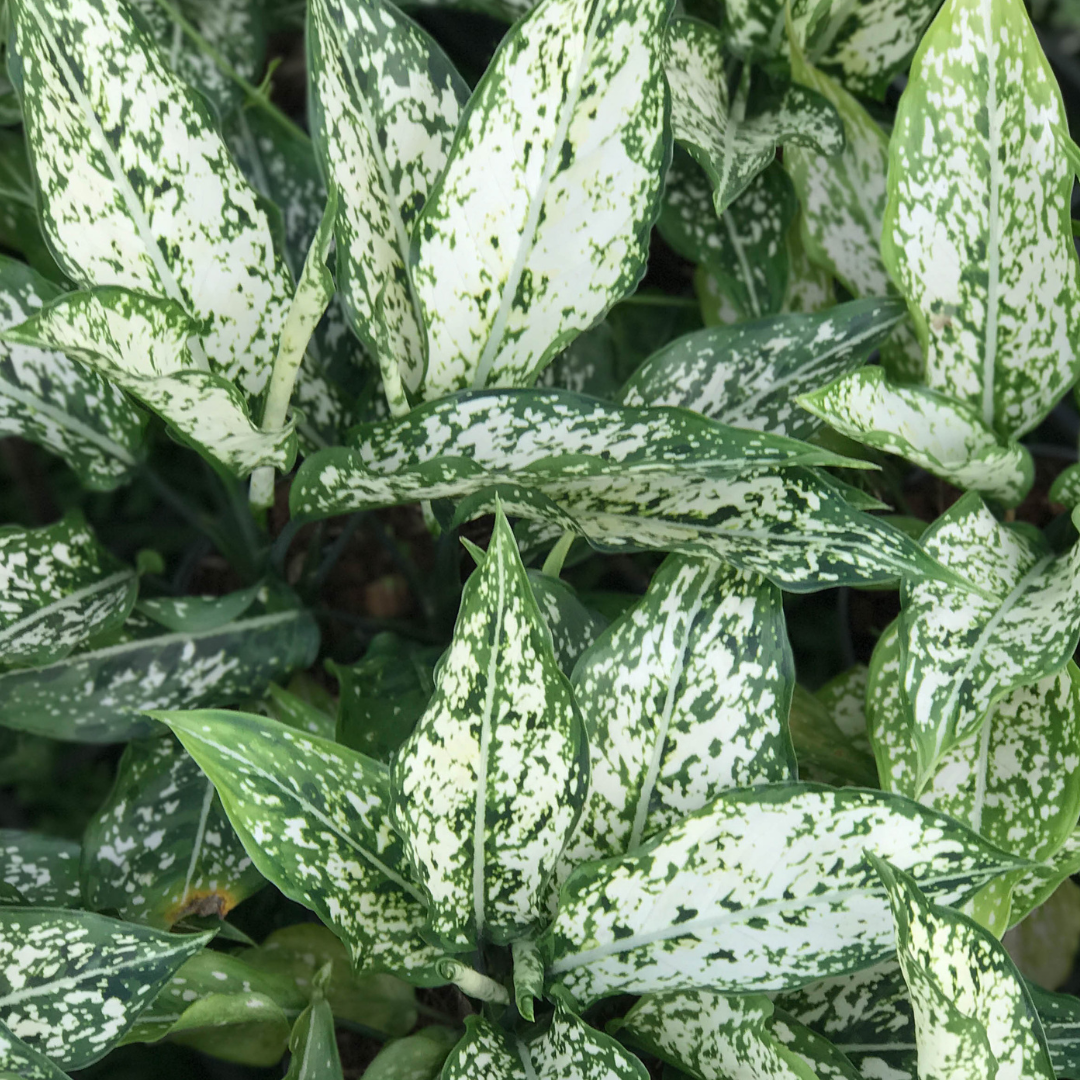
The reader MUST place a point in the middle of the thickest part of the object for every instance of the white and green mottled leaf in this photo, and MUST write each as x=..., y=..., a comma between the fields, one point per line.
x=72, y=983
x=973, y=1015
x=59, y=587
x=161, y=208
x=827, y=753
x=51, y=400
x=750, y=375
x=929, y=429
x=573, y=626
x=139, y=343
x=161, y=848
x=418, y=1057
x=810, y=287
x=554, y=179
x=745, y=248
x=1060, y=1018
x=20, y=230
x=385, y=103
x=977, y=231
x=685, y=696
x=754, y=28
x=730, y=145
x=198, y=613
x=100, y=695
x=315, y=820
x=963, y=650
x=568, y=1048
x=24, y=1063
x=528, y=976
x=1035, y=888
x=825, y=1061
x=1066, y=487
x=766, y=888
x=43, y=870
x=490, y=783
x=313, y=1044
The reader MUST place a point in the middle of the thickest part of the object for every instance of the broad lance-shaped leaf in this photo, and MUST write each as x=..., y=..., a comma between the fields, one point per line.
x=140, y=343
x=19, y=1060
x=1042, y=882
x=43, y=870
x=990, y=1027
x=962, y=650
x=385, y=103
x=161, y=208
x=928, y=428
x=101, y=695
x=51, y=400
x=289, y=795
x=555, y=179
x=161, y=848
x=313, y=1044
x=977, y=231
x=72, y=983
x=731, y=146
x=766, y=888
x=490, y=783
x=685, y=696
x=568, y=1048
x=59, y=587
x=811, y=1050
x=750, y=375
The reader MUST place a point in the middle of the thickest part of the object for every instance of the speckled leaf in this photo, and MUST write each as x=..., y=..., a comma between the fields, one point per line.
x=161, y=848
x=963, y=650
x=51, y=400
x=827, y=753
x=541, y=221
x=745, y=248
x=197, y=613
x=138, y=342
x=72, y=983
x=685, y=696
x=490, y=783
x=385, y=102
x=977, y=231
x=1060, y=1018
x=824, y=1060
x=161, y=207
x=44, y=870
x=1066, y=487
x=100, y=695
x=568, y=1048
x=929, y=429
x=418, y=1057
x=573, y=626
x=314, y=817
x=949, y=960
x=1036, y=887
x=313, y=1045
x=23, y=1063
x=711, y=1036
x=20, y=230
x=750, y=375
x=528, y=976
x=59, y=587
x=766, y=888
x=754, y=28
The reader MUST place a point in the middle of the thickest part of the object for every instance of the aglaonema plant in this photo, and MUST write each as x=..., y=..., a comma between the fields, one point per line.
x=653, y=318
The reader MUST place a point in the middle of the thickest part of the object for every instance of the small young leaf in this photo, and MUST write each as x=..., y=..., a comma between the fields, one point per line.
x=196, y=614
x=24, y=1063
x=313, y=1044
x=419, y=1057
x=44, y=870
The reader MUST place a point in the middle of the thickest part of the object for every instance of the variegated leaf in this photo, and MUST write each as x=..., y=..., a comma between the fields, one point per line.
x=1036, y=887
x=59, y=587
x=754, y=28
x=490, y=783
x=43, y=870
x=101, y=695
x=385, y=103
x=684, y=697
x=72, y=983
x=20, y=230
x=573, y=626
x=928, y=428
x=977, y=231
x=826, y=753
x=161, y=848
x=750, y=375
x=528, y=976
x=51, y=400
x=139, y=343
x=198, y=613
x=20, y=1061
x=160, y=206
x=313, y=1045
x=1060, y=1018
x=810, y=287
x=555, y=179
x=418, y=1057
x=963, y=650
x=766, y=888
x=823, y=1059
x=730, y=145
x=568, y=1048
x=745, y=248
x=973, y=1015
x=1066, y=487
x=315, y=820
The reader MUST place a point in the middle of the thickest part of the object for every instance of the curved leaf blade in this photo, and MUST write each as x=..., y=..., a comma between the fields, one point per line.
x=43, y=870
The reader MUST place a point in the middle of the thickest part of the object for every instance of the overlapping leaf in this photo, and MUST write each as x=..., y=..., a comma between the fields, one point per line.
x=827, y=752
x=573, y=626
x=43, y=870
x=19, y=1060
x=313, y=1045
x=418, y=1057
x=764, y=889
x=554, y=179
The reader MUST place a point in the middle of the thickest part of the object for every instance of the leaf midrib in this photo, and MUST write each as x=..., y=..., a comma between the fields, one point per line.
x=993, y=240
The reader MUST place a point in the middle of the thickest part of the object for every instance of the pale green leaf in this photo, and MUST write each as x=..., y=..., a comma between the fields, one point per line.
x=315, y=819
x=60, y=587
x=100, y=695
x=20, y=1061
x=419, y=1057
x=194, y=614
x=72, y=983
x=541, y=221
x=44, y=870
x=929, y=429
x=766, y=888
x=750, y=375
x=159, y=205
x=313, y=1044
x=977, y=232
